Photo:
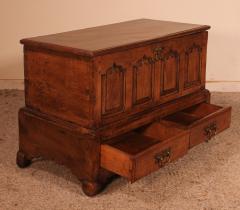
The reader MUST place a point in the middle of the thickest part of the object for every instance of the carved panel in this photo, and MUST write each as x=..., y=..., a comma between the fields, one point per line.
x=192, y=70
x=169, y=81
x=143, y=80
x=113, y=89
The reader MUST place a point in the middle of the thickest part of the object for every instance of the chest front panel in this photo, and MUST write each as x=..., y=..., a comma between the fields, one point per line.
x=134, y=80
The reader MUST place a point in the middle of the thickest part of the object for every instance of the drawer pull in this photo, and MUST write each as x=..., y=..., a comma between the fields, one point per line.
x=162, y=158
x=210, y=131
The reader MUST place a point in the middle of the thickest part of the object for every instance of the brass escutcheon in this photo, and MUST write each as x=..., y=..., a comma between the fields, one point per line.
x=163, y=157
x=210, y=130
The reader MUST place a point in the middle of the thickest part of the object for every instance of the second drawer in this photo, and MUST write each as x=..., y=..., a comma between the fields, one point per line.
x=203, y=121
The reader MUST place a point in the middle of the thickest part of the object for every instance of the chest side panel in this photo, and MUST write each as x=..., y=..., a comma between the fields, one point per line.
x=59, y=85
x=194, y=69
x=135, y=80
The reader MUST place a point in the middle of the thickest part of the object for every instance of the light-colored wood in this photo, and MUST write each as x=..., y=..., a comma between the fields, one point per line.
x=116, y=160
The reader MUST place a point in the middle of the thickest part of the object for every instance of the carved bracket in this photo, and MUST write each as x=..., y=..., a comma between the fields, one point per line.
x=115, y=68
x=144, y=60
x=194, y=46
x=158, y=55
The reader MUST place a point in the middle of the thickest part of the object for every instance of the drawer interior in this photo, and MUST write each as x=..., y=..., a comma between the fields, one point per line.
x=194, y=114
x=202, y=110
x=123, y=153
x=131, y=143
x=138, y=141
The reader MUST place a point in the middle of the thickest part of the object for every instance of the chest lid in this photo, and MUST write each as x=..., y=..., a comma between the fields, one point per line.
x=108, y=38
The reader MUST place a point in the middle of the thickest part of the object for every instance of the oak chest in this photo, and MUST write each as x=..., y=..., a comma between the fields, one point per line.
x=123, y=99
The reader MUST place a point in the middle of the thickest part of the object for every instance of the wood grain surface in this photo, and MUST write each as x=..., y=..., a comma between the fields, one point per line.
x=102, y=39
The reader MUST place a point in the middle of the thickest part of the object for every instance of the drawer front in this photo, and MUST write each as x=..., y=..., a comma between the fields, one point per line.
x=138, y=79
x=210, y=126
x=135, y=155
x=159, y=156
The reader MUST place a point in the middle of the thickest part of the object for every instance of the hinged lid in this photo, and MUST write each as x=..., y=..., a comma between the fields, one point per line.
x=107, y=38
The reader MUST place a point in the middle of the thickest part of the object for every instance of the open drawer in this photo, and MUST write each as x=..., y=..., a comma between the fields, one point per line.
x=137, y=154
x=203, y=121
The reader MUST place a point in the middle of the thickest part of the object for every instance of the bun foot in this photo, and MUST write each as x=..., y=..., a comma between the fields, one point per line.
x=92, y=188
x=21, y=160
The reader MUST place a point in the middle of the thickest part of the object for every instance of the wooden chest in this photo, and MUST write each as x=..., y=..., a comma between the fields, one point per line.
x=124, y=99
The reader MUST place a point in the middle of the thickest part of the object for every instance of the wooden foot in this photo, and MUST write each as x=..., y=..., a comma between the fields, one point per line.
x=92, y=188
x=21, y=160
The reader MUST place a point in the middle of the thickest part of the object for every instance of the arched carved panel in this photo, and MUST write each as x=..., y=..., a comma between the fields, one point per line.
x=143, y=81
x=169, y=82
x=192, y=70
x=113, y=90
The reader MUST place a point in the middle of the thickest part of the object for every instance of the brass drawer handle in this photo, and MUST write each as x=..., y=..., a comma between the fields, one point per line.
x=163, y=157
x=210, y=131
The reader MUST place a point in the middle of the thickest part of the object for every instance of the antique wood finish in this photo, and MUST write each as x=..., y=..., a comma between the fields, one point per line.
x=113, y=37
x=114, y=85
x=149, y=76
x=65, y=143
x=148, y=116
x=95, y=99
x=58, y=141
x=55, y=77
